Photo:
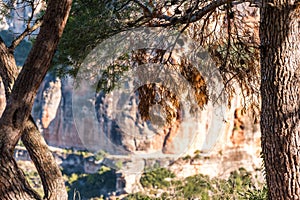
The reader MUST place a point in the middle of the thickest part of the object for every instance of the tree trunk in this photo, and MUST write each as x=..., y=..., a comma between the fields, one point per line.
x=280, y=91
x=19, y=104
x=53, y=183
x=8, y=68
x=13, y=184
x=49, y=171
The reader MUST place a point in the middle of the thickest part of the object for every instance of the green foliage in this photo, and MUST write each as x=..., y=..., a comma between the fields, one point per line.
x=35, y=181
x=92, y=185
x=239, y=185
x=197, y=152
x=5, y=10
x=83, y=153
x=89, y=23
x=110, y=77
x=74, y=177
x=195, y=186
x=157, y=178
x=100, y=155
x=256, y=194
x=67, y=151
x=187, y=157
x=119, y=164
x=20, y=143
x=137, y=196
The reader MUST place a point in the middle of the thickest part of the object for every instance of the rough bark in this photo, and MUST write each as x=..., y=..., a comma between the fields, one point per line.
x=53, y=183
x=13, y=184
x=280, y=91
x=8, y=68
x=19, y=104
x=51, y=176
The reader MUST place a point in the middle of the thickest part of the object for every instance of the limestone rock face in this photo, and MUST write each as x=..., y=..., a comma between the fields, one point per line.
x=238, y=145
x=51, y=101
x=53, y=112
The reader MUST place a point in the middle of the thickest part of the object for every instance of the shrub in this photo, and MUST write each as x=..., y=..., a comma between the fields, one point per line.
x=197, y=186
x=238, y=186
x=156, y=178
x=93, y=185
x=137, y=196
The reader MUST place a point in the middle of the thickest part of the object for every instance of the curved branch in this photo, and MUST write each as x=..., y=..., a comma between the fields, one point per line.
x=26, y=32
x=190, y=18
x=8, y=68
x=51, y=177
x=38, y=62
x=15, y=118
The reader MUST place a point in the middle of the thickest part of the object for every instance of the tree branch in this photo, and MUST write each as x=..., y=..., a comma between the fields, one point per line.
x=15, y=119
x=51, y=177
x=35, y=68
x=26, y=32
x=190, y=18
x=8, y=68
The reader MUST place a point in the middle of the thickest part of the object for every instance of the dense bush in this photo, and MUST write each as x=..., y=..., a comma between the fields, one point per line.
x=195, y=186
x=162, y=184
x=156, y=178
x=139, y=196
x=92, y=185
x=239, y=185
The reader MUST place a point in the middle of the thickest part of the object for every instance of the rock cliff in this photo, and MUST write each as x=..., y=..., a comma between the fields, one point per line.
x=238, y=145
x=52, y=111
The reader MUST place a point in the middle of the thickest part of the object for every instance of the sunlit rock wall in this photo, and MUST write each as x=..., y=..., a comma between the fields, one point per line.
x=52, y=111
x=238, y=144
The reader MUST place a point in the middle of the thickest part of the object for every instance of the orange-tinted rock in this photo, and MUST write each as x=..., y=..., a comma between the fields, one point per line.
x=53, y=113
x=237, y=137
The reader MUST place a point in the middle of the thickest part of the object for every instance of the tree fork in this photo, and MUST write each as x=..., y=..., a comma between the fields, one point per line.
x=39, y=152
x=21, y=101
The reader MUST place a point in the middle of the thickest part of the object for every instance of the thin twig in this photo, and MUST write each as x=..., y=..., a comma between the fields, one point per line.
x=26, y=32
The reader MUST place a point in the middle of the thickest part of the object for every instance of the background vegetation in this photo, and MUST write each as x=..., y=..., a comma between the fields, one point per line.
x=162, y=184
